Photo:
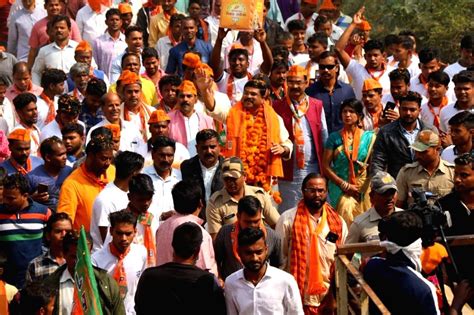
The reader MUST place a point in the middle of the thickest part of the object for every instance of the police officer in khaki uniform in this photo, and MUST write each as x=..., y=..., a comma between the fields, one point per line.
x=429, y=173
x=222, y=206
x=383, y=196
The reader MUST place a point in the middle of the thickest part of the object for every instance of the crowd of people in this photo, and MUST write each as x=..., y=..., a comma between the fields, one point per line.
x=217, y=171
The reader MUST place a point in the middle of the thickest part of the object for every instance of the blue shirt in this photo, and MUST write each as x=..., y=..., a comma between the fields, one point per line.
x=99, y=74
x=332, y=103
x=39, y=176
x=89, y=119
x=21, y=237
x=175, y=60
x=10, y=169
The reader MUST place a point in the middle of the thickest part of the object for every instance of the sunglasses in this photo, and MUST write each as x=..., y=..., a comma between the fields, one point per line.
x=326, y=67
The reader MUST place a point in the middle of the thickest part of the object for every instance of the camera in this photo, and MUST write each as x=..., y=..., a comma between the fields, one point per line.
x=432, y=216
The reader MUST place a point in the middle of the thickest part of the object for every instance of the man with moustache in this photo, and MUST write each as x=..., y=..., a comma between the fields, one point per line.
x=304, y=117
x=68, y=111
x=20, y=160
x=130, y=137
x=259, y=288
x=74, y=139
x=383, y=195
x=158, y=125
x=163, y=175
x=310, y=233
x=186, y=122
x=27, y=113
x=206, y=166
x=277, y=77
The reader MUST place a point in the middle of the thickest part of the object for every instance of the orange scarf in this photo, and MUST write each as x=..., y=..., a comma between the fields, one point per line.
x=154, y=9
x=145, y=219
x=298, y=264
x=205, y=30
x=376, y=115
x=33, y=134
x=173, y=41
x=51, y=110
x=230, y=86
x=20, y=169
x=234, y=234
x=278, y=92
x=76, y=303
x=371, y=72
x=119, y=272
x=355, y=151
x=3, y=299
x=144, y=112
x=98, y=181
x=423, y=81
x=436, y=120
x=298, y=114
x=236, y=133
x=168, y=16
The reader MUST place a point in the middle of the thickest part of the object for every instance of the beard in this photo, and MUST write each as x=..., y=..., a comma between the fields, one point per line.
x=314, y=203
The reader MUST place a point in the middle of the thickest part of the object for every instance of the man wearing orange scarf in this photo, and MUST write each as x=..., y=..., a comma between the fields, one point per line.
x=133, y=108
x=81, y=188
x=438, y=83
x=305, y=121
x=255, y=132
x=123, y=260
x=20, y=161
x=310, y=233
x=373, y=107
x=160, y=22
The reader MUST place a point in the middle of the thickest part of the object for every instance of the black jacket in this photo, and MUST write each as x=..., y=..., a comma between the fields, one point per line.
x=391, y=149
x=191, y=169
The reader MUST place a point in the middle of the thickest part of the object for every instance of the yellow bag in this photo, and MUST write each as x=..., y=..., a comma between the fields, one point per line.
x=242, y=14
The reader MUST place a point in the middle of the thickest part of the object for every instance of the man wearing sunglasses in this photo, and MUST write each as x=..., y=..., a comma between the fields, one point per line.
x=331, y=91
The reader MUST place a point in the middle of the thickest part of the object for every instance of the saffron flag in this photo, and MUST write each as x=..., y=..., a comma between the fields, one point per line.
x=86, y=299
x=242, y=14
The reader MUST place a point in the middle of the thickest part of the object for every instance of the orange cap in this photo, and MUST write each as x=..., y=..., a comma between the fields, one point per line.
x=310, y=1
x=114, y=129
x=191, y=60
x=129, y=77
x=236, y=46
x=84, y=46
x=297, y=71
x=20, y=135
x=364, y=26
x=188, y=86
x=327, y=5
x=371, y=84
x=207, y=69
x=157, y=116
x=125, y=8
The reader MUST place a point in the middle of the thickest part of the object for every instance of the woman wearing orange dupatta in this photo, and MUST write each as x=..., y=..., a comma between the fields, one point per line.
x=345, y=161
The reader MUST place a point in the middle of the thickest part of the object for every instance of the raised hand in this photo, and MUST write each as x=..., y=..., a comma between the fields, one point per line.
x=359, y=16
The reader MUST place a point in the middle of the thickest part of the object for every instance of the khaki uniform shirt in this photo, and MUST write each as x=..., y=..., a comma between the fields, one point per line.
x=413, y=175
x=365, y=227
x=222, y=208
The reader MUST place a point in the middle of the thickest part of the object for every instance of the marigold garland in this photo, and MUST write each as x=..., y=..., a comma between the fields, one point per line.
x=254, y=152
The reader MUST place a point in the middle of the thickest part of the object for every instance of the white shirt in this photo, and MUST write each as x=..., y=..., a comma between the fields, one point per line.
x=426, y=115
x=53, y=129
x=163, y=46
x=447, y=113
x=66, y=292
x=130, y=137
x=448, y=154
x=454, y=69
x=299, y=16
x=192, y=128
x=51, y=56
x=276, y=293
x=313, y=72
x=105, y=49
x=335, y=34
x=207, y=176
x=90, y=23
x=35, y=138
x=162, y=199
x=298, y=59
x=413, y=69
x=110, y=199
x=417, y=86
x=134, y=264
x=180, y=154
x=136, y=120
x=255, y=59
x=237, y=86
x=7, y=111
x=219, y=97
x=359, y=74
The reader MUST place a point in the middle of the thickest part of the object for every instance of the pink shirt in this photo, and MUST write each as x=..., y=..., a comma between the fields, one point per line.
x=12, y=91
x=39, y=37
x=164, y=237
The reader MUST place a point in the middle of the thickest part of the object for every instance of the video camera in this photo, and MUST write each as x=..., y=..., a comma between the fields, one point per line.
x=433, y=217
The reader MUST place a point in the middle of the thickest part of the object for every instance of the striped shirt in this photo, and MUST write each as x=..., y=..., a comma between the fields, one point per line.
x=21, y=235
x=41, y=267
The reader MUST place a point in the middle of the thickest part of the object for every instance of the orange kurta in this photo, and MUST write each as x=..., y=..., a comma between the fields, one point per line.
x=77, y=196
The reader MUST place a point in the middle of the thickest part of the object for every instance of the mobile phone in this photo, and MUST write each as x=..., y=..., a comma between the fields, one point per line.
x=388, y=106
x=42, y=188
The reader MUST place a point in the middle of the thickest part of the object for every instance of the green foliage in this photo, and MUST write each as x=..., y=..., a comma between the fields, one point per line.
x=436, y=23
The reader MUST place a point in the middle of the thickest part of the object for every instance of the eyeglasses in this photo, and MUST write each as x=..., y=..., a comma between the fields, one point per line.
x=311, y=190
x=326, y=67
